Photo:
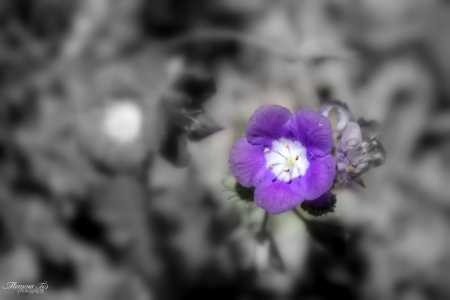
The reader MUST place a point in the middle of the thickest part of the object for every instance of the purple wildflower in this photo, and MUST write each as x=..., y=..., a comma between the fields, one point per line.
x=359, y=149
x=285, y=156
x=344, y=115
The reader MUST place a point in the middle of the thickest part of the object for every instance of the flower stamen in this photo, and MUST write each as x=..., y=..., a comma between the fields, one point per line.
x=278, y=175
x=287, y=159
x=282, y=155
x=289, y=149
x=266, y=150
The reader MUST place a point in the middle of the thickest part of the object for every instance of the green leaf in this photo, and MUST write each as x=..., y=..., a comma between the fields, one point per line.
x=229, y=182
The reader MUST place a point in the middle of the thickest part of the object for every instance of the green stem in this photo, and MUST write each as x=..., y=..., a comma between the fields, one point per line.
x=264, y=223
x=299, y=215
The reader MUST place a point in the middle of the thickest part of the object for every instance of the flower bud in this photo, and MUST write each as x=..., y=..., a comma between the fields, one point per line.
x=322, y=205
x=344, y=115
x=359, y=149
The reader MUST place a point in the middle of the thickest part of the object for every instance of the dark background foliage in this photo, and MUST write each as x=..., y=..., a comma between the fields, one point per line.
x=100, y=212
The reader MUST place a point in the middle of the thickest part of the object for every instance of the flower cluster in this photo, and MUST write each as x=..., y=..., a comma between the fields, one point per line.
x=287, y=159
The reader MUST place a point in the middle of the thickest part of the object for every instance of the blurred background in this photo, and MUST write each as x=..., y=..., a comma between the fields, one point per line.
x=90, y=203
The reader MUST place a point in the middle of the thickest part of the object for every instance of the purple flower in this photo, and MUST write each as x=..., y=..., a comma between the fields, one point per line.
x=344, y=115
x=285, y=157
x=359, y=149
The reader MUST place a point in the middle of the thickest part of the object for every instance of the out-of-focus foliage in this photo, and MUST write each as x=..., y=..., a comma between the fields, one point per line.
x=186, y=119
x=88, y=204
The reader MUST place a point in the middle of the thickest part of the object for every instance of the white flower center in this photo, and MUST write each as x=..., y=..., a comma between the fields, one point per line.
x=287, y=159
x=123, y=121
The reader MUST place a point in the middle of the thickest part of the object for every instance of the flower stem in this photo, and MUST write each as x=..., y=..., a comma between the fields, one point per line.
x=264, y=223
x=299, y=215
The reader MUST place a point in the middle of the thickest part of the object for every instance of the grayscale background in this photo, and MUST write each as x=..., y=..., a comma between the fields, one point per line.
x=89, y=205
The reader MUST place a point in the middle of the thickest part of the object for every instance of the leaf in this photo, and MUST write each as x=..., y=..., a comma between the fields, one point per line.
x=229, y=183
x=360, y=182
x=201, y=127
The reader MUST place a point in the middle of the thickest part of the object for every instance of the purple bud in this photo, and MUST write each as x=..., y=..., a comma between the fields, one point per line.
x=359, y=149
x=344, y=115
x=322, y=205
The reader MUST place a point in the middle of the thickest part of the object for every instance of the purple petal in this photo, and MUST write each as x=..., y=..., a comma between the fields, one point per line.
x=313, y=130
x=247, y=163
x=277, y=197
x=267, y=124
x=319, y=177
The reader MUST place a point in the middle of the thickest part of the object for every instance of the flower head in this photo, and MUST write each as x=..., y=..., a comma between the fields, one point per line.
x=359, y=149
x=344, y=115
x=285, y=156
